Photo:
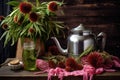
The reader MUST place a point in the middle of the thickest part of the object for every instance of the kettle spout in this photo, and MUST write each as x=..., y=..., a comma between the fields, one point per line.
x=61, y=50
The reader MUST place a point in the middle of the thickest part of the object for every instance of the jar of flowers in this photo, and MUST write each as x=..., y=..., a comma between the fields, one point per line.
x=32, y=20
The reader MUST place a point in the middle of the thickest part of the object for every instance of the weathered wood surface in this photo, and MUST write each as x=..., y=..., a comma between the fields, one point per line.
x=7, y=74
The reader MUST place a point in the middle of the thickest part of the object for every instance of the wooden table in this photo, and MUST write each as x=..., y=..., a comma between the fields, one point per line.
x=7, y=74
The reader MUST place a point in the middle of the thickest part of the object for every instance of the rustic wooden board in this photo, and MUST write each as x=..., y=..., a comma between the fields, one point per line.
x=7, y=74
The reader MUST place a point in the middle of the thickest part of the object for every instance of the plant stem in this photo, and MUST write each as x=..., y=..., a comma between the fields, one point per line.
x=24, y=0
x=87, y=51
x=37, y=3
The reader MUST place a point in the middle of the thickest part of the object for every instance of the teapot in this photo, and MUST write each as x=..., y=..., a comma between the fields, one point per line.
x=80, y=39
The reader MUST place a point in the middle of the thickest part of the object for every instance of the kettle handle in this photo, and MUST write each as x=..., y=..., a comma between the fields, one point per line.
x=101, y=41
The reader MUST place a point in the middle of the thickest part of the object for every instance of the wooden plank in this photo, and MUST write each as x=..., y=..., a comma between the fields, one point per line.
x=97, y=12
x=92, y=6
x=92, y=10
x=101, y=1
x=76, y=20
x=7, y=74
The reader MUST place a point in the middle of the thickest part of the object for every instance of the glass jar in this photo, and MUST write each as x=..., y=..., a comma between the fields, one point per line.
x=29, y=56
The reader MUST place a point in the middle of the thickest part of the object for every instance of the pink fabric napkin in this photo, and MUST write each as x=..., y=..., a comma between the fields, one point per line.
x=87, y=72
x=42, y=64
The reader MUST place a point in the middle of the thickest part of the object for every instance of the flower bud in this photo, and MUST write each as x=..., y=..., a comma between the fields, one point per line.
x=25, y=7
x=33, y=17
x=52, y=6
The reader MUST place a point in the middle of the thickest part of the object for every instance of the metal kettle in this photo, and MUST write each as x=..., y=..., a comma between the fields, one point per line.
x=79, y=40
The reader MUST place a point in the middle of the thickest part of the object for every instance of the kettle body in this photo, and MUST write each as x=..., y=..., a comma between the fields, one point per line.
x=77, y=43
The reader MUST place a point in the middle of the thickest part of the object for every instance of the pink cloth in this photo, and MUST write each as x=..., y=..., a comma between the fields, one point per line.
x=86, y=72
x=42, y=64
x=116, y=61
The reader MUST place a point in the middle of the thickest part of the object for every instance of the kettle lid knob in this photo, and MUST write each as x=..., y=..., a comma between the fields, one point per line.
x=79, y=28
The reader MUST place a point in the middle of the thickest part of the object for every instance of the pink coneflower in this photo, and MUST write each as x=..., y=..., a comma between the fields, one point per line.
x=70, y=62
x=33, y=17
x=83, y=60
x=53, y=49
x=5, y=26
x=52, y=6
x=61, y=64
x=52, y=64
x=95, y=59
x=15, y=19
x=71, y=65
x=25, y=7
x=31, y=30
x=19, y=22
x=2, y=18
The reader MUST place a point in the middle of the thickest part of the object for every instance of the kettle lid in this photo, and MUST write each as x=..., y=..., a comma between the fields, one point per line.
x=78, y=29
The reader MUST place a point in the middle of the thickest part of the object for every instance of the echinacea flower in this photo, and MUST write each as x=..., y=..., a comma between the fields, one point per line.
x=53, y=49
x=83, y=60
x=72, y=65
x=1, y=18
x=70, y=62
x=33, y=17
x=15, y=19
x=61, y=64
x=52, y=6
x=51, y=64
x=95, y=59
x=5, y=26
x=18, y=21
x=31, y=30
x=25, y=7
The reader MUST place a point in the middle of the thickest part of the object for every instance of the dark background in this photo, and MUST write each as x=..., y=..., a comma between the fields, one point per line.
x=97, y=15
x=8, y=51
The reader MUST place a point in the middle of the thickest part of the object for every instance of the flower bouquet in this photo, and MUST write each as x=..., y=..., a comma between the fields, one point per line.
x=32, y=20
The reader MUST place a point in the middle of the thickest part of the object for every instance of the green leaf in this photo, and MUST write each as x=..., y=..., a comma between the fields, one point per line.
x=9, y=21
x=37, y=29
x=57, y=30
x=7, y=38
x=25, y=18
x=4, y=21
x=48, y=12
x=14, y=12
x=13, y=42
x=38, y=23
x=25, y=29
x=59, y=26
x=37, y=3
x=42, y=29
x=13, y=3
x=44, y=3
x=3, y=35
x=87, y=51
